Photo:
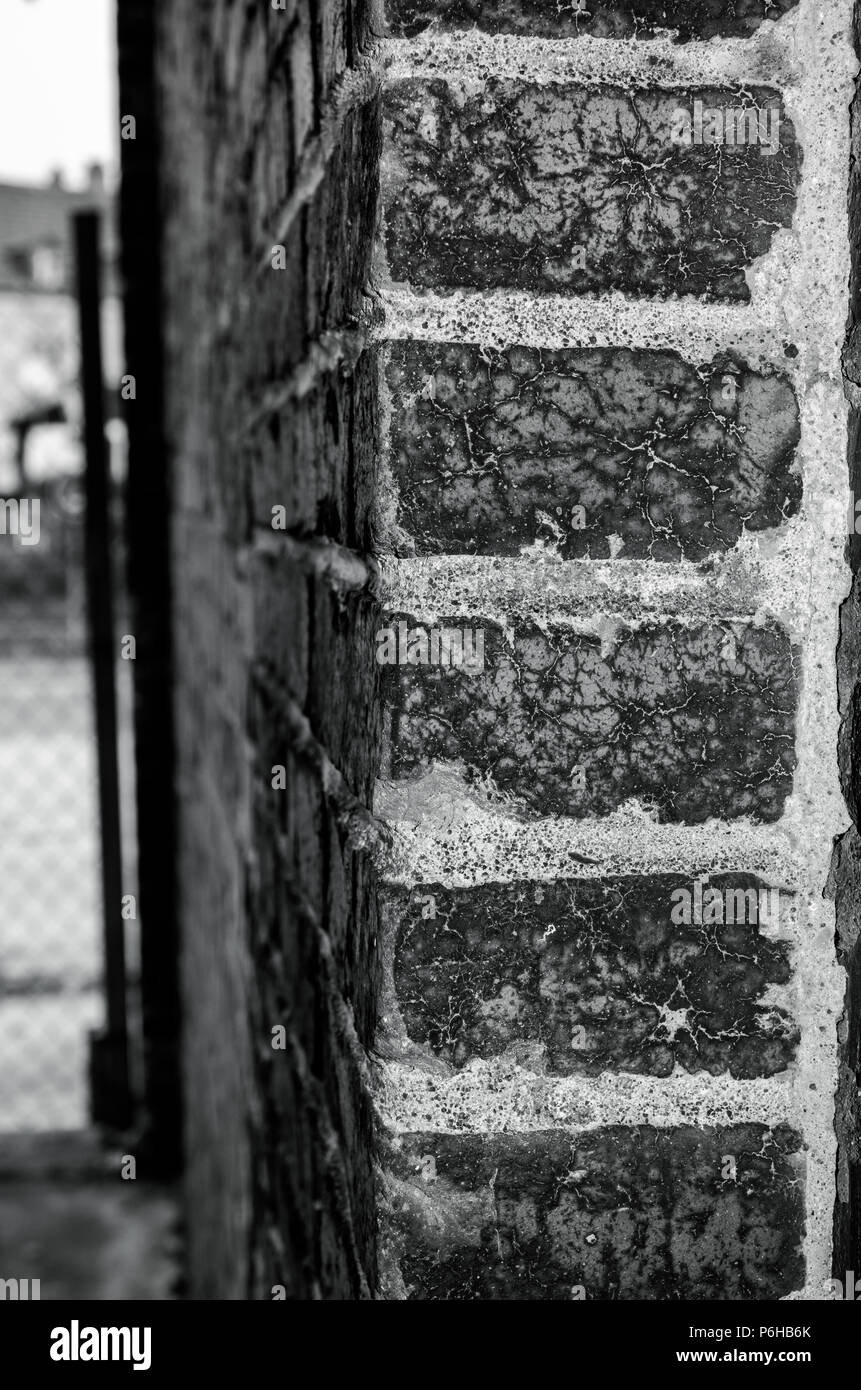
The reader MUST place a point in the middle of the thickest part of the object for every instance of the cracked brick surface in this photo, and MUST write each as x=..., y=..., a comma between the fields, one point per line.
x=696, y=722
x=616, y=1213
x=493, y=450
x=568, y=188
x=582, y=976
x=701, y=19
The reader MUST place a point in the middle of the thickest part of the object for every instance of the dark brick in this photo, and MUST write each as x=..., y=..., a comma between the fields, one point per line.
x=327, y=254
x=701, y=19
x=273, y=154
x=494, y=450
x=307, y=887
x=579, y=976
x=279, y=339
x=317, y=647
x=698, y=721
x=623, y=1213
x=302, y=455
x=340, y=222
x=506, y=185
x=278, y=913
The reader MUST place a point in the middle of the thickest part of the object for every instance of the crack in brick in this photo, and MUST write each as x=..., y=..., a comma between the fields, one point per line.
x=600, y=19
x=507, y=186
x=517, y=969
x=624, y=1213
x=694, y=722
x=492, y=451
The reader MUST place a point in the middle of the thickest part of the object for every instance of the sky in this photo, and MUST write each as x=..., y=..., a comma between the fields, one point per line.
x=57, y=89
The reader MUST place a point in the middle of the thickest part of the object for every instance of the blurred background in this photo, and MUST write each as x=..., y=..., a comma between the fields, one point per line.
x=67, y=1054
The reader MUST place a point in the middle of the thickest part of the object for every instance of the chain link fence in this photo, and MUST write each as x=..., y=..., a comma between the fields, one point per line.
x=51, y=992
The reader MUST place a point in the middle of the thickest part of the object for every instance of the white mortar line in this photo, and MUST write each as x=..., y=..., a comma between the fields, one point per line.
x=767, y=574
x=494, y=1097
x=501, y=317
x=470, y=56
x=440, y=835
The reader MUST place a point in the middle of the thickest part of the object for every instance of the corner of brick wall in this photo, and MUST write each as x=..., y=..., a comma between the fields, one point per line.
x=561, y=1080
x=614, y=444
x=270, y=136
x=846, y=873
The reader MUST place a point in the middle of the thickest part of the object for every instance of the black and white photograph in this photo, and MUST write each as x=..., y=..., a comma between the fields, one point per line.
x=430, y=676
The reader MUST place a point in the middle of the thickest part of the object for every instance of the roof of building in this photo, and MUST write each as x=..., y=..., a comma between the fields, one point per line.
x=37, y=218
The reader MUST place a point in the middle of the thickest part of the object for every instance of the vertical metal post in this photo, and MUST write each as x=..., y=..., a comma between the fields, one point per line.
x=151, y=590
x=110, y=1096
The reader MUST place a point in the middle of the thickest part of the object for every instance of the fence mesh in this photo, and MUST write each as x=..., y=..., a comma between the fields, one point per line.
x=50, y=893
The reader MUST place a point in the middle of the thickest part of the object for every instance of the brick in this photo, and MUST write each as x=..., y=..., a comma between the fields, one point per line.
x=286, y=894
x=303, y=77
x=332, y=26
x=619, y=1213
x=315, y=646
x=340, y=222
x=316, y=495
x=302, y=455
x=695, y=721
x=492, y=451
x=327, y=263
x=574, y=189
x=274, y=338
x=701, y=19
x=273, y=154
x=310, y=1200
x=303, y=885
x=579, y=975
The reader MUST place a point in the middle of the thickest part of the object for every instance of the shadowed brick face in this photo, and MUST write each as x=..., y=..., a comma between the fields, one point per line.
x=492, y=451
x=315, y=456
x=701, y=19
x=698, y=721
x=582, y=976
x=577, y=189
x=271, y=403
x=625, y=1213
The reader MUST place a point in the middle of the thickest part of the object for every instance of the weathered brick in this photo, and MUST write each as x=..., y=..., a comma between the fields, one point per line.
x=697, y=721
x=493, y=450
x=570, y=188
x=617, y=1213
x=303, y=71
x=273, y=154
x=280, y=336
x=310, y=456
x=340, y=223
x=326, y=265
x=315, y=646
x=602, y=19
x=306, y=889
x=286, y=895
x=582, y=975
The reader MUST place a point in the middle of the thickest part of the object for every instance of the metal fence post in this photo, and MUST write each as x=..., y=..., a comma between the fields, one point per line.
x=110, y=1094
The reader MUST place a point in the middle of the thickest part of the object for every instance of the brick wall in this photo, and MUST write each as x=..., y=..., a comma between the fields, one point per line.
x=615, y=946
x=589, y=414
x=269, y=149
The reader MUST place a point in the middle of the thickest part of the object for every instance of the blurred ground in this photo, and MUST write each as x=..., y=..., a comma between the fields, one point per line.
x=68, y=1219
x=49, y=891
x=50, y=896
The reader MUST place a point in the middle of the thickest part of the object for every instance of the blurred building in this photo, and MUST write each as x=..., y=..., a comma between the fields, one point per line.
x=50, y=966
x=39, y=410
